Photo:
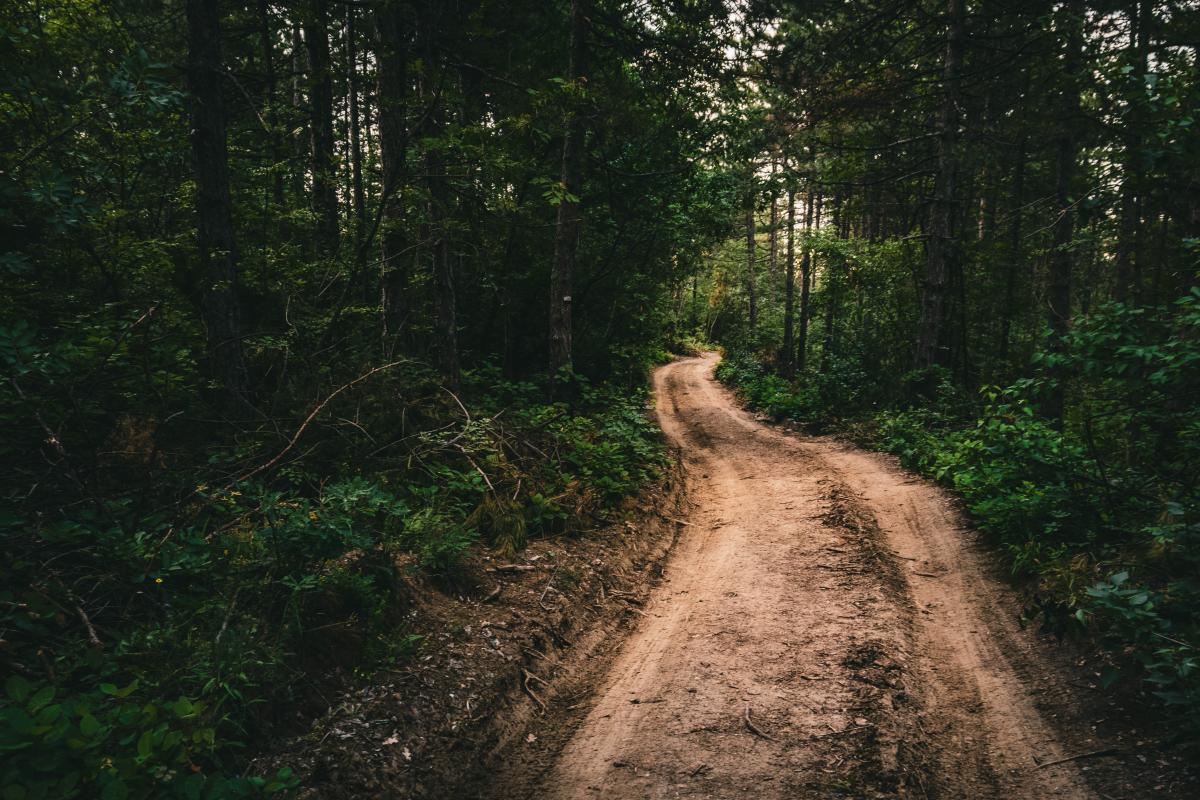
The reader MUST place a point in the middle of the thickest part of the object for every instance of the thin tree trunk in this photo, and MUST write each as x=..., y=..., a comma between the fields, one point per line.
x=940, y=247
x=567, y=224
x=320, y=131
x=1015, y=251
x=445, y=313
x=1129, y=229
x=829, y=288
x=789, y=286
x=751, y=283
x=356, y=175
x=773, y=240
x=391, y=53
x=1058, y=294
x=299, y=148
x=266, y=42
x=217, y=246
x=810, y=205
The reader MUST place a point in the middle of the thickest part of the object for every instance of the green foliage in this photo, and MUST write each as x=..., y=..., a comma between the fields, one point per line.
x=1115, y=485
x=814, y=397
x=108, y=743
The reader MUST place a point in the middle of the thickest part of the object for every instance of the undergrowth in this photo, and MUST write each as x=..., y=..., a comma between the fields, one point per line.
x=190, y=603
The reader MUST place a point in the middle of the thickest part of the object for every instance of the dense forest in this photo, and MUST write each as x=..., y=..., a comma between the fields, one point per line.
x=301, y=297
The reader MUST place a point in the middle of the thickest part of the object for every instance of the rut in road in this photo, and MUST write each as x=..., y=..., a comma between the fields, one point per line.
x=794, y=650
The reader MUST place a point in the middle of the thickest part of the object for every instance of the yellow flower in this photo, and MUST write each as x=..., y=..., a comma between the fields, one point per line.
x=158, y=580
x=312, y=515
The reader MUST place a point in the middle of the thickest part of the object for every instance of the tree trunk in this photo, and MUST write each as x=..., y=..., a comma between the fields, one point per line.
x=356, y=176
x=751, y=283
x=567, y=223
x=789, y=285
x=1129, y=229
x=1058, y=295
x=266, y=42
x=391, y=54
x=830, y=289
x=445, y=312
x=805, y=284
x=320, y=126
x=299, y=147
x=773, y=232
x=940, y=247
x=217, y=246
x=1015, y=251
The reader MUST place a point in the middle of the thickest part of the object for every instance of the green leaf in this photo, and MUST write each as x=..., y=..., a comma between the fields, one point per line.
x=145, y=744
x=112, y=691
x=89, y=726
x=183, y=708
x=41, y=699
x=17, y=688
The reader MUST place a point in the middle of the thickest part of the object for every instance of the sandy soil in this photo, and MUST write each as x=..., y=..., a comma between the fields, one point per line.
x=824, y=627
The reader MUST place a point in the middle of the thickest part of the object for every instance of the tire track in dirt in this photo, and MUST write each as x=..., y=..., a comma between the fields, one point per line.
x=788, y=651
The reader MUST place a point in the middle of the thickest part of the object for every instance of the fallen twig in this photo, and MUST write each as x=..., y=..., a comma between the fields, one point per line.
x=549, y=584
x=754, y=728
x=93, y=639
x=512, y=568
x=848, y=729
x=308, y=420
x=228, y=614
x=1106, y=751
x=529, y=690
x=925, y=574
x=493, y=594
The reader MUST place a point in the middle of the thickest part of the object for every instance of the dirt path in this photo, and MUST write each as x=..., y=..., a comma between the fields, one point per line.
x=821, y=628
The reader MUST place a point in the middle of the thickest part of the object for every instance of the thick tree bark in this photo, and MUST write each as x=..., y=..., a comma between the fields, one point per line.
x=789, y=286
x=320, y=126
x=810, y=205
x=567, y=224
x=217, y=246
x=940, y=247
x=391, y=55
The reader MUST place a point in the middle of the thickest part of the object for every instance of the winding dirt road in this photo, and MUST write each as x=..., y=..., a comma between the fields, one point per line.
x=822, y=628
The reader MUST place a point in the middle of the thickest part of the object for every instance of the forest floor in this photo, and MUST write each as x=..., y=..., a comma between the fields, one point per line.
x=827, y=625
